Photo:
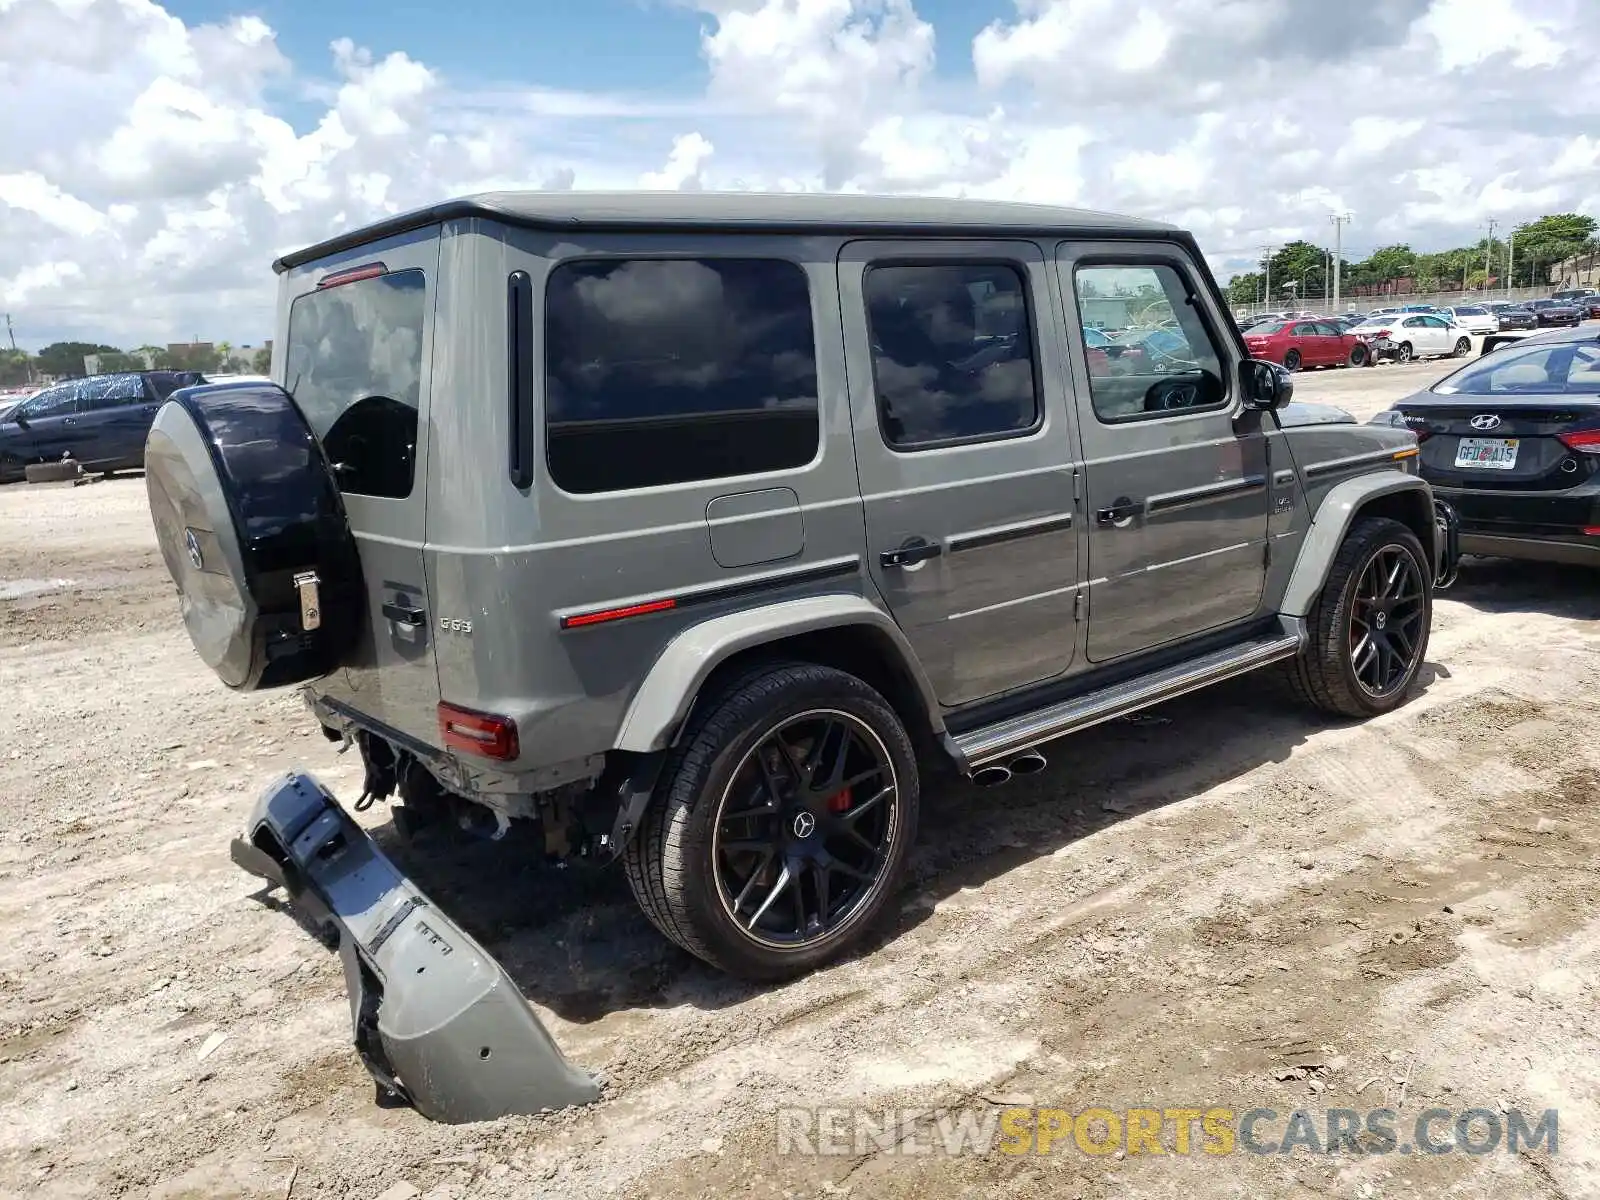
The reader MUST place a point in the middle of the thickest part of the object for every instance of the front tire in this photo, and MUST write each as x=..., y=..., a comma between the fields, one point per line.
x=782, y=823
x=1368, y=630
x=1463, y=347
x=1358, y=356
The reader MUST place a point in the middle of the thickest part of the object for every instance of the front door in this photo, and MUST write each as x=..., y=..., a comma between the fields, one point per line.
x=1177, y=488
x=966, y=456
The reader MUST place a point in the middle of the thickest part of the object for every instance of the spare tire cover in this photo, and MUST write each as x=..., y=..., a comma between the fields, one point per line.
x=243, y=501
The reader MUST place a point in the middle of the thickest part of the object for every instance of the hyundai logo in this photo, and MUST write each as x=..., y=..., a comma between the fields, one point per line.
x=1485, y=421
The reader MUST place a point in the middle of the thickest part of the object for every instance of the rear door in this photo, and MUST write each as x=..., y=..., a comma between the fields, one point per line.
x=114, y=416
x=966, y=456
x=357, y=359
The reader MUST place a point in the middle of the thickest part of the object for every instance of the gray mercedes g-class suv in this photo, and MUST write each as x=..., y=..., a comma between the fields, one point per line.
x=697, y=527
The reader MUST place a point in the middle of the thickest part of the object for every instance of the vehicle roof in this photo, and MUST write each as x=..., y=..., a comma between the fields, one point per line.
x=743, y=212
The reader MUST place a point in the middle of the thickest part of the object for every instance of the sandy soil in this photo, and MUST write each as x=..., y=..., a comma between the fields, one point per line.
x=1224, y=902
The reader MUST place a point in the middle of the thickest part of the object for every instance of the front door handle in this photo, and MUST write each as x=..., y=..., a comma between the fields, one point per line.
x=913, y=551
x=404, y=614
x=1120, y=515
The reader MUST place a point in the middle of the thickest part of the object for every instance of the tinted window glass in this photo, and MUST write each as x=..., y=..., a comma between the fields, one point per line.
x=669, y=371
x=1175, y=368
x=952, y=352
x=1266, y=328
x=58, y=401
x=110, y=391
x=355, y=370
x=1568, y=368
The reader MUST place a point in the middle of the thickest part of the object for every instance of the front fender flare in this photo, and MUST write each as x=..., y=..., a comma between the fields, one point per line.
x=662, y=702
x=1332, y=522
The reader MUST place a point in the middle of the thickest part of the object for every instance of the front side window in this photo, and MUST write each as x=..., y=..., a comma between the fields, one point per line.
x=59, y=401
x=666, y=371
x=355, y=371
x=952, y=352
x=1170, y=363
x=1568, y=368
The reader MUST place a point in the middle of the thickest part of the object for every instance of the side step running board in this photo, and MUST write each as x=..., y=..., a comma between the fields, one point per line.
x=1006, y=738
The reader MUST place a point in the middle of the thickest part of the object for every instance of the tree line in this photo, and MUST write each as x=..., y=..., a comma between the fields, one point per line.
x=1302, y=268
x=65, y=360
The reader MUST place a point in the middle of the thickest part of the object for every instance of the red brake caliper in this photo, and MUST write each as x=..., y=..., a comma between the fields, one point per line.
x=839, y=802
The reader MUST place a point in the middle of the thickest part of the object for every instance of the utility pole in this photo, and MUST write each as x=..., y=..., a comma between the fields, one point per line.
x=1511, y=260
x=1266, y=258
x=1338, y=220
x=11, y=331
x=1488, y=248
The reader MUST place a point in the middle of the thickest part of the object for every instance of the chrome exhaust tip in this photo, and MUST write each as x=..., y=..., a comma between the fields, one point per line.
x=1030, y=763
x=993, y=776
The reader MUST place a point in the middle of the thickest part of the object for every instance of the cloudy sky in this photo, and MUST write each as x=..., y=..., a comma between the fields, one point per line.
x=154, y=158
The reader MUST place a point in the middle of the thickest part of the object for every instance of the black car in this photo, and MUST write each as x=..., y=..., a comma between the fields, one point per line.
x=1512, y=442
x=1516, y=318
x=1553, y=313
x=100, y=421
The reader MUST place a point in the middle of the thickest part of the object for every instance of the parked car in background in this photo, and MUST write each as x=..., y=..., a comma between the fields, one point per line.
x=1590, y=308
x=1577, y=297
x=1296, y=344
x=1514, y=316
x=1553, y=313
x=1474, y=318
x=1512, y=442
x=1414, y=335
x=101, y=421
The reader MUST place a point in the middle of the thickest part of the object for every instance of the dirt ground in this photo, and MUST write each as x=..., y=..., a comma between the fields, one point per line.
x=1222, y=903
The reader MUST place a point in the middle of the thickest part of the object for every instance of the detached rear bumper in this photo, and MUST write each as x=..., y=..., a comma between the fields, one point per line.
x=437, y=1021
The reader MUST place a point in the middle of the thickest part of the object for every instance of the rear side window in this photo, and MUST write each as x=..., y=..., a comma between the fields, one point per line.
x=952, y=353
x=664, y=371
x=110, y=391
x=355, y=371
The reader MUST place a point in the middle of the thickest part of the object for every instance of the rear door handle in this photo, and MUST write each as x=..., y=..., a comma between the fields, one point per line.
x=914, y=551
x=404, y=614
x=1119, y=515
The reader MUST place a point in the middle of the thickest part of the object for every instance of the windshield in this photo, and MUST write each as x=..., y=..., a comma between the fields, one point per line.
x=1563, y=369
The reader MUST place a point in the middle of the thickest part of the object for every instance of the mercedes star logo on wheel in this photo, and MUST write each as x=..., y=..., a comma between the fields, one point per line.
x=1485, y=421
x=804, y=823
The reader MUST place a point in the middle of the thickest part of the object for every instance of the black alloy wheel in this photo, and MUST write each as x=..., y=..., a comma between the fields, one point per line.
x=1385, y=621
x=804, y=829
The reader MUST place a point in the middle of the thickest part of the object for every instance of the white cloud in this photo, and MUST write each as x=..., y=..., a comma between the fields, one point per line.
x=149, y=171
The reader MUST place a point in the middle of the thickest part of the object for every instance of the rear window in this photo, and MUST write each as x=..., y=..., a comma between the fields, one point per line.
x=666, y=371
x=355, y=370
x=1564, y=368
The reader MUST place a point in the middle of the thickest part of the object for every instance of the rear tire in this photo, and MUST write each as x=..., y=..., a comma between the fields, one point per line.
x=51, y=472
x=1403, y=353
x=1359, y=356
x=1291, y=361
x=714, y=883
x=1336, y=671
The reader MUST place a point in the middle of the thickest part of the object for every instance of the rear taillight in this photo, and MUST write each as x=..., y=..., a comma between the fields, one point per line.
x=1585, y=441
x=478, y=733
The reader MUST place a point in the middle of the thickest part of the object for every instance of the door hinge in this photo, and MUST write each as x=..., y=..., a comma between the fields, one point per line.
x=1077, y=607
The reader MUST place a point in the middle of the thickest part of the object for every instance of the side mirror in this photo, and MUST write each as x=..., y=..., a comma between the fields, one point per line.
x=1265, y=386
x=20, y=419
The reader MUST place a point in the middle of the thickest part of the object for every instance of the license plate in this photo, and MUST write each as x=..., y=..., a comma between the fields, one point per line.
x=1495, y=454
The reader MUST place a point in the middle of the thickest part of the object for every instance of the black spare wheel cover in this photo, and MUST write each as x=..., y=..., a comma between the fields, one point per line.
x=243, y=501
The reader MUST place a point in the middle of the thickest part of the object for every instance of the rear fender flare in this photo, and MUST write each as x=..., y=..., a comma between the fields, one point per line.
x=663, y=700
x=1338, y=511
